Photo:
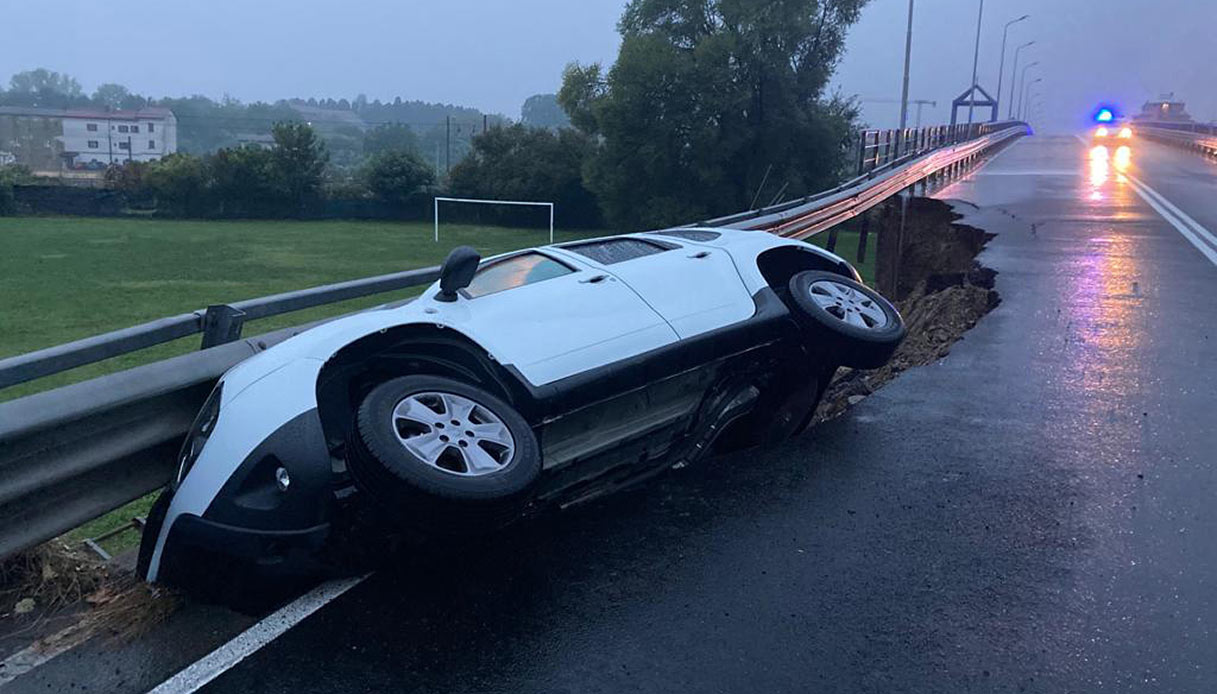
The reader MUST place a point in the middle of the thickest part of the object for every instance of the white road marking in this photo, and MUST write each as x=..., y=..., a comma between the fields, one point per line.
x=1189, y=228
x=219, y=661
x=35, y=655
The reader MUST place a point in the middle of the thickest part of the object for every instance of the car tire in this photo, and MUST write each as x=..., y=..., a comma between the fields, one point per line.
x=443, y=456
x=859, y=327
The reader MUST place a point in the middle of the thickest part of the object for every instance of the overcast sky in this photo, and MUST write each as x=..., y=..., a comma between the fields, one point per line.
x=492, y=54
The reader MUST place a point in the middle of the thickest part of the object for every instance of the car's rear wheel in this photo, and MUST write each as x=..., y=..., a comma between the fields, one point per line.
x=861, y=329
x=443, y=456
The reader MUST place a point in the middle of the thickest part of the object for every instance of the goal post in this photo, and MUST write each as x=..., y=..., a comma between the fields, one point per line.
x=475, y=201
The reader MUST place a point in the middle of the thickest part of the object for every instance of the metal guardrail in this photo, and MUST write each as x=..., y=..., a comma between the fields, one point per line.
x=1198, y=137
x=814, y=213
x=73, y=453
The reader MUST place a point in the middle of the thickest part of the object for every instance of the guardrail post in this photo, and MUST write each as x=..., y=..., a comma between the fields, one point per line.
x=221, y=324
x=861, y=151
x=861, y=255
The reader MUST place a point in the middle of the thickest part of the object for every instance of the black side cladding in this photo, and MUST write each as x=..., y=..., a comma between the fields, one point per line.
x=251, y=497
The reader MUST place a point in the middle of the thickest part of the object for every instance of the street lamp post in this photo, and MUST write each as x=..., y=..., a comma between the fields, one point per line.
x=1023, y=98
x=908, y=51
x=980, y=13
x=1022, y=81
x=1001, y=68
x=1013, y=72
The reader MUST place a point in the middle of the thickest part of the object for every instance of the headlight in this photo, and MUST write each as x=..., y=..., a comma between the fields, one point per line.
x=200, y=431
x=1101, y=132
x=1126, y=133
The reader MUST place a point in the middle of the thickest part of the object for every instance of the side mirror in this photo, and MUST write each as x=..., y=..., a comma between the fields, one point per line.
x=457, y=272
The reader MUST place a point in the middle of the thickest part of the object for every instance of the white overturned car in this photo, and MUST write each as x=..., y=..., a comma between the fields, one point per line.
x=534, y=379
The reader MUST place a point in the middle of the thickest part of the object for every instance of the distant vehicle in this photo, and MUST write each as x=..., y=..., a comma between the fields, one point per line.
x=532, y=380
x=1113, y=134
x=1110, y=128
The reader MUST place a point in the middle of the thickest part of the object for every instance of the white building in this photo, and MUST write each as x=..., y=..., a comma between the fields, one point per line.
x=52, y=139
x=99, y=138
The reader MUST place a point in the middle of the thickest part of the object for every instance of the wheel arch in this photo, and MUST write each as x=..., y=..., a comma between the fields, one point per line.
x=417, y=348
x=778, y=264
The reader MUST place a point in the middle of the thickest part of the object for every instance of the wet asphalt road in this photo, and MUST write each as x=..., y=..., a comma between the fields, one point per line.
x=1033, y=513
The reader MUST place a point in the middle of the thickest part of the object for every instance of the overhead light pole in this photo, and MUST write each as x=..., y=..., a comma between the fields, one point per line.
x=1013, y=72
x=908, y=52
x=980, y=13
x=1022, y=81
x=1023, y=98
x=1001, y=66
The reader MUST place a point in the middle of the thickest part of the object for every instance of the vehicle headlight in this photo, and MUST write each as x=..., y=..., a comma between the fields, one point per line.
x=1126, y=133
x=1101, y=132
x=200, y=431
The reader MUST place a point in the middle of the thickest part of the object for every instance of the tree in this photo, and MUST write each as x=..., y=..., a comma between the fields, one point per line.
x=298, y=162
x=243, y=182
x=543, y=111
x=42, y=87
x=111, y=95
x=708, y=99
x=390, y=137
x=179, y=184
x=522, y=163
x=397, y=177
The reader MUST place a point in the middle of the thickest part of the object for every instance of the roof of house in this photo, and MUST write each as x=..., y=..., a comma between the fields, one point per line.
x=150, y=113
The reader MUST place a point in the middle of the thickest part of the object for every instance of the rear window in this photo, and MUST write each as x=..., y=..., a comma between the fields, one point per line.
x=610, y=251
x=516, y=271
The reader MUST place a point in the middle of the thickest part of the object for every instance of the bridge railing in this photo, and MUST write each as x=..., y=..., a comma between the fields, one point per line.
x=1199, y=137
x=76, y=452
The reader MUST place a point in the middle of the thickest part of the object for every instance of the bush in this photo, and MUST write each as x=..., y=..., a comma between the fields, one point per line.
x=10, y=176
x=243, y=183
x=397, y=177
x=179, y=184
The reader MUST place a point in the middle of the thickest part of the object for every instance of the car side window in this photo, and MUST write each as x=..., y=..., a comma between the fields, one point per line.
x=516, y=271
x=610, y=251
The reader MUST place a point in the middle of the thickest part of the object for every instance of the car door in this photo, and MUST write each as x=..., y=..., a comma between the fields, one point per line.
x=553, y=317
x=695, y=288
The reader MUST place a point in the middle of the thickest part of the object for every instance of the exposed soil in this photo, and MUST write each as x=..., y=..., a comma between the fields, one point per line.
x=56, y=596
x=943, y=291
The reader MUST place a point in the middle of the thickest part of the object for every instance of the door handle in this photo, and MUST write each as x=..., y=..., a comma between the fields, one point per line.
x=595, y=279
x=699, y=255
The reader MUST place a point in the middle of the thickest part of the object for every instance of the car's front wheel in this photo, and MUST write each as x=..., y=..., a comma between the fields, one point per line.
x=861, y=328
x=445, y=456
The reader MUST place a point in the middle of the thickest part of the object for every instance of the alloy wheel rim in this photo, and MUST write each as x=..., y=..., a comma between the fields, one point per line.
x=848, y=305
x=453, y=433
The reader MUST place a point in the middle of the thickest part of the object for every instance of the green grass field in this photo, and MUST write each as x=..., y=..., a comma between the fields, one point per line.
x=63, y=279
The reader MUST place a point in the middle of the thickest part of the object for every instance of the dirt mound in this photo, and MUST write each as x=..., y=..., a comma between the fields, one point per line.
x=943, y=292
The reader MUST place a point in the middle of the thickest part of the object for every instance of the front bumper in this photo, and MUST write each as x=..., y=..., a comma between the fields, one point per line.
x=251, y=523
x=196, y=548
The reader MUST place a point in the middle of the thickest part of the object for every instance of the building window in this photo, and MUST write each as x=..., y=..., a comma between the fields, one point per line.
x=135, y=128
x=93, y=144
x=150, y=127
x=124, y=145
x=151, y=144
x=91, y=127
x=123, y=129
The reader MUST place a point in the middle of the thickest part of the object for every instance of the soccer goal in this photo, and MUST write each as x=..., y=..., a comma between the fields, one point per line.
x=550, y=205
